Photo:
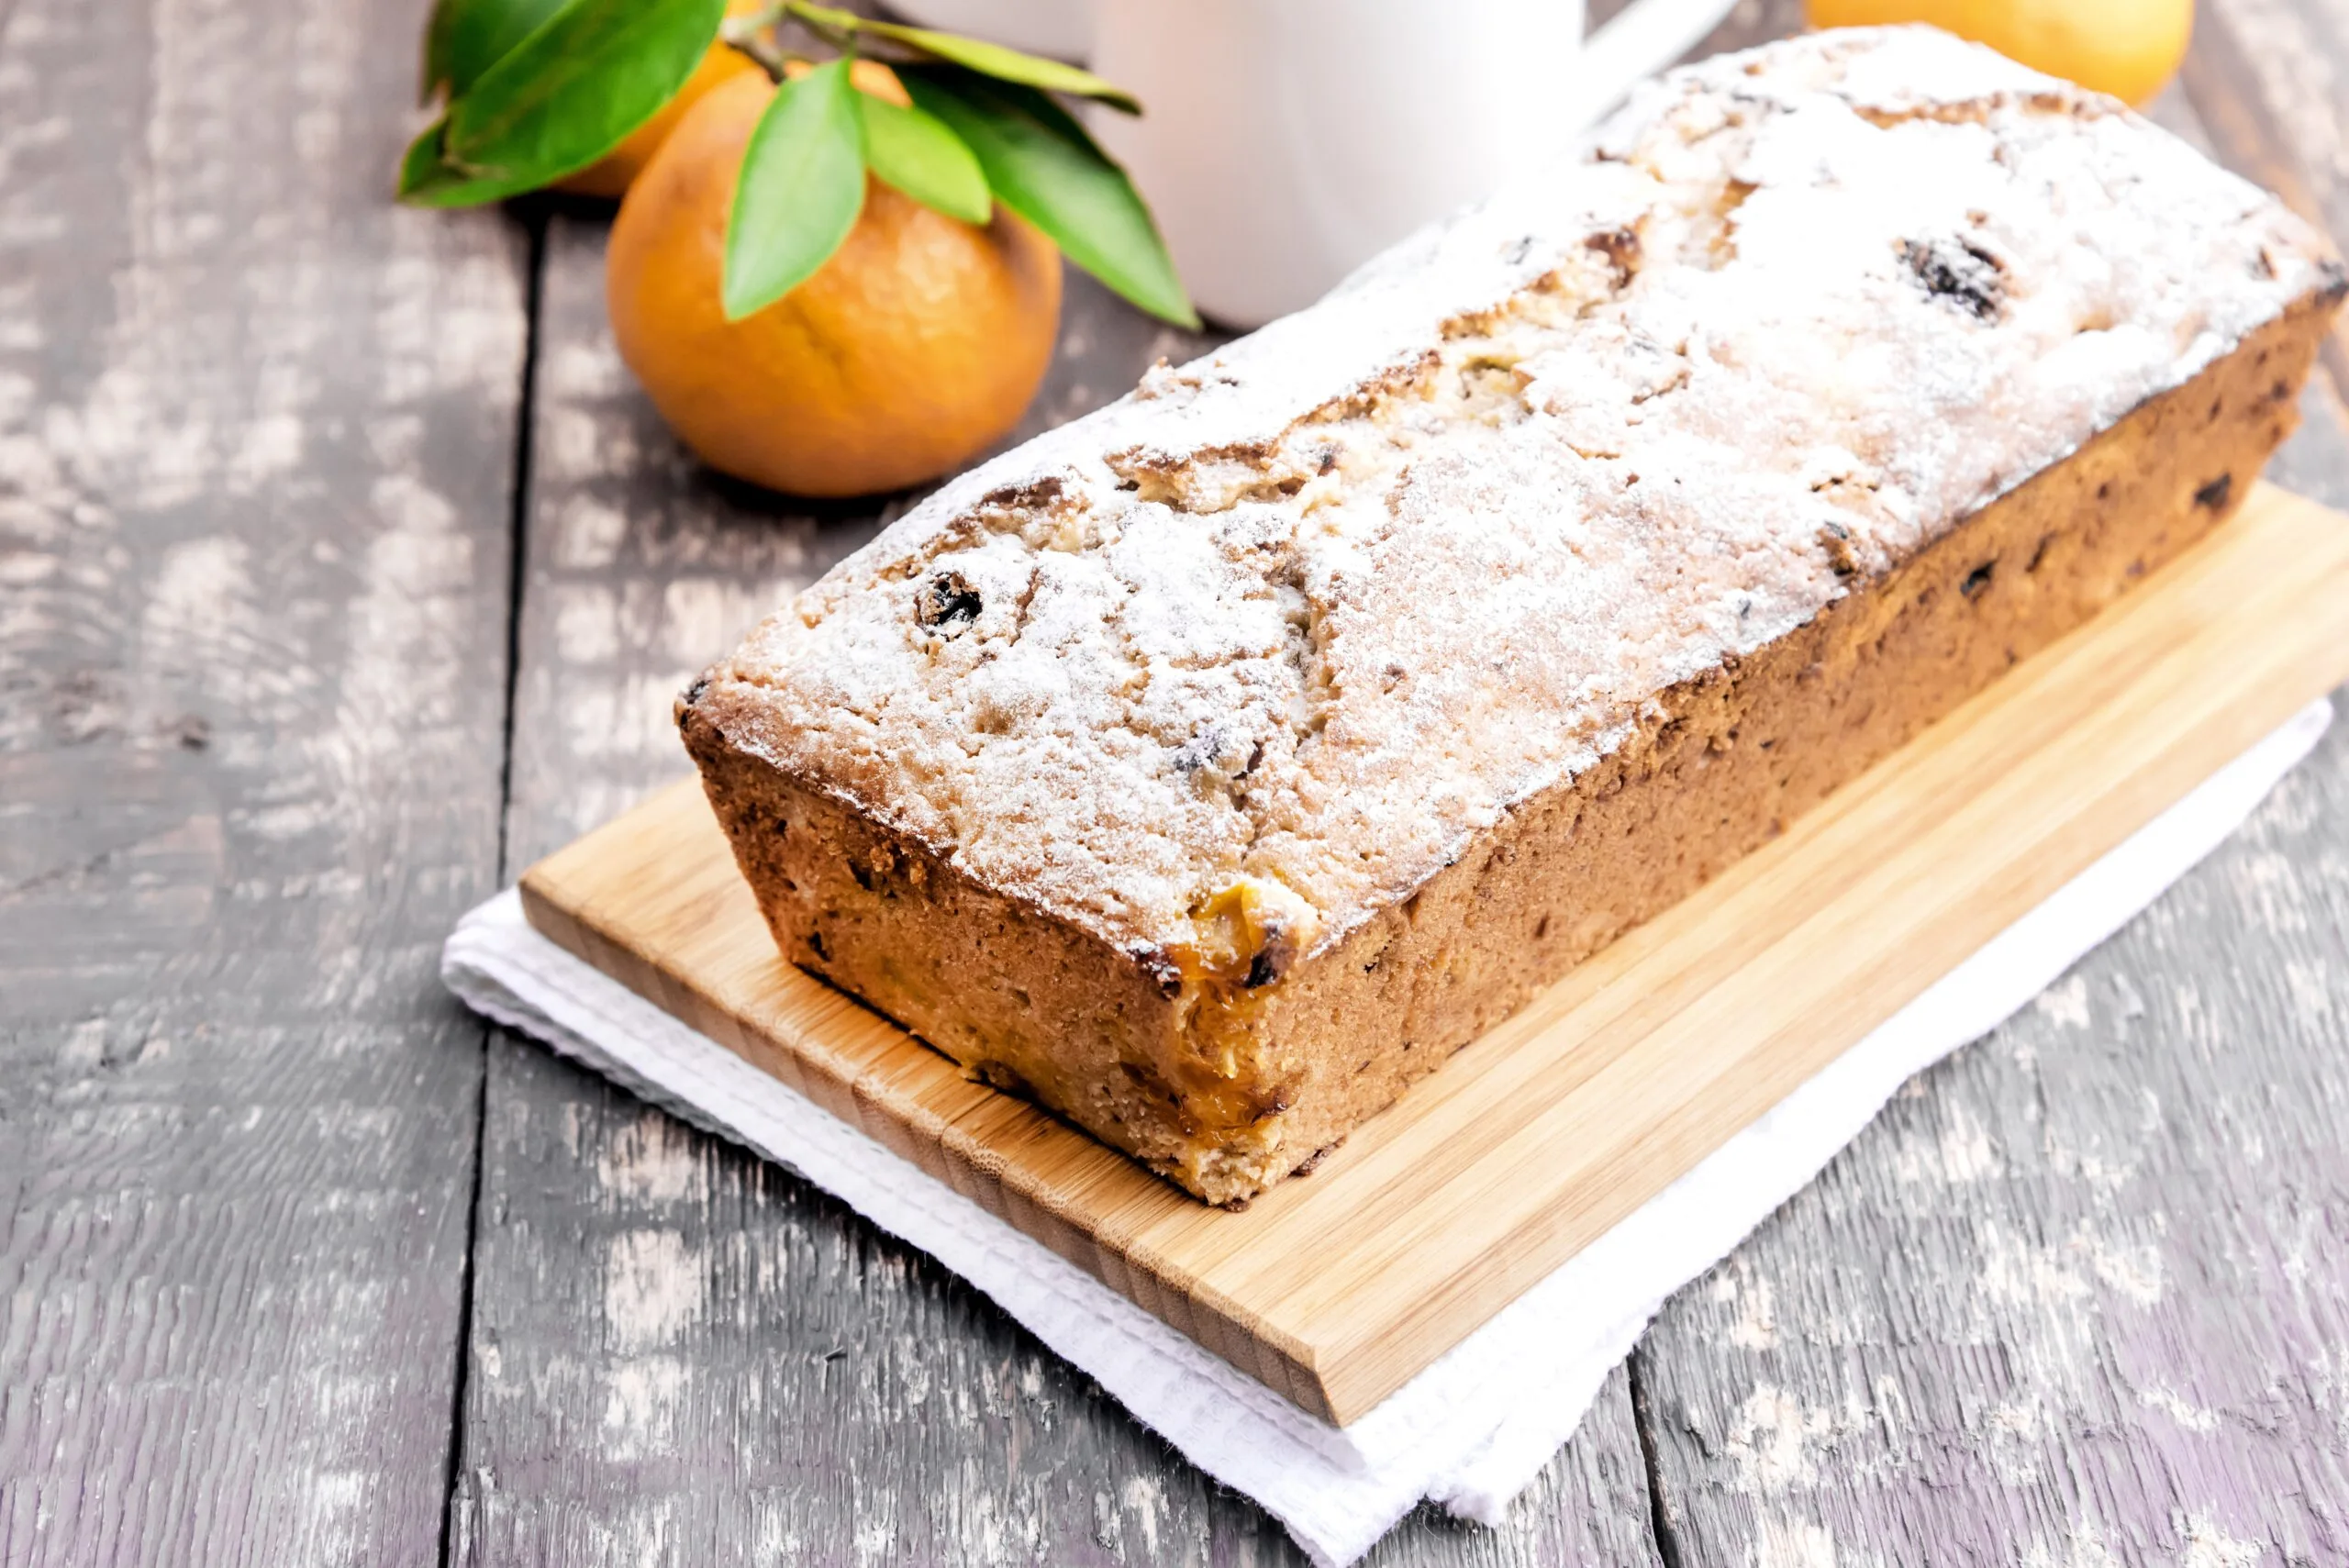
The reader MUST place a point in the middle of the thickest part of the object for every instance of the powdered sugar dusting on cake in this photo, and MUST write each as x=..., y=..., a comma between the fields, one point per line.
x=1304, y=617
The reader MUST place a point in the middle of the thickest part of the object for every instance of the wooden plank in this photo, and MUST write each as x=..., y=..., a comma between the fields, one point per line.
x=2076, y=1296
x=255, y=429
x=1607, y=1087
x=654, y=1307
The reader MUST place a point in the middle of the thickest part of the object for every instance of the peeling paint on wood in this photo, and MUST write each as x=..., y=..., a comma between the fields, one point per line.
x=255, y=431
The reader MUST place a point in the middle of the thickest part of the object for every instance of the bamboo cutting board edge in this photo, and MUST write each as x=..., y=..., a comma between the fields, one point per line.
x=1337, y=1288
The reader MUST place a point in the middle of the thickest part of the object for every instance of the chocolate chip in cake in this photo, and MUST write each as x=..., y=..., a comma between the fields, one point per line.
x=2214, y=494
x=1198, y=752
x=1960, y=272
x=947, y=603
x=1034, y=496
x=686, y=699
x=1836, y=541
x=1621, y=249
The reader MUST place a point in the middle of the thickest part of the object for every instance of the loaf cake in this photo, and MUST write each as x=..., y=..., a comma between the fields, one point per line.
x=1211, y=767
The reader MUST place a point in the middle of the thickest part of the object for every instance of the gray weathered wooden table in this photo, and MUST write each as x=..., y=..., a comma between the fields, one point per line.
x=342, y=572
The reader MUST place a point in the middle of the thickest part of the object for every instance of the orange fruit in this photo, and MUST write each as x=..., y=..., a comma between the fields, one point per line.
x=2127, y=47
x=609, y=175
x=912, y=349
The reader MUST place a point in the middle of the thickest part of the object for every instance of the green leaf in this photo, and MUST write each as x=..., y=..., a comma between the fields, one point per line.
x=421, y=163
x=567, y=95
x=988, y=59
x=799, y=192
x=915, y=152
x=1041, y=164
x=465, y=38
x=427, y=179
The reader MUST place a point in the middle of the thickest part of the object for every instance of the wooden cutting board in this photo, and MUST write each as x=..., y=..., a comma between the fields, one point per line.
x=1337, y=1288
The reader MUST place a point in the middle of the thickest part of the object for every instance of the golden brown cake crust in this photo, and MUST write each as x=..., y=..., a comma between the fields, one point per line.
x=1225, y=1089
x=1216, y=764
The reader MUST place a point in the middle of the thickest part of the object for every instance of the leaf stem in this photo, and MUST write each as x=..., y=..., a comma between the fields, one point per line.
x=837, y=28
x=753, y=35
x=735, y=27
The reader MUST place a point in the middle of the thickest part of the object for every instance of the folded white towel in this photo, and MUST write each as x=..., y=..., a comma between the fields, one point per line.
x=1475, y=1427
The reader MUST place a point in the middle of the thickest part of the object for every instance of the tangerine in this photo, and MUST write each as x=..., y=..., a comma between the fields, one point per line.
x=913, y=348
x=2127, y=47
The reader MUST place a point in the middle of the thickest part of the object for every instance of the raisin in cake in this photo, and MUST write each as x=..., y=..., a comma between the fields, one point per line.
x=1213, y=766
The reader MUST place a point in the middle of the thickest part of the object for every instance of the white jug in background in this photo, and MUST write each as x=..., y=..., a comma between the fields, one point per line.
x=1287, y=141
x=1063, y=28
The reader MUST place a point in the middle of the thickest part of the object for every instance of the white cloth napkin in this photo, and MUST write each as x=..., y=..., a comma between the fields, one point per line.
x=1475, y=1429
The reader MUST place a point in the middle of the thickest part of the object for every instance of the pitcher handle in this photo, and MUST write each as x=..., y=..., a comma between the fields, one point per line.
x=1640, y=41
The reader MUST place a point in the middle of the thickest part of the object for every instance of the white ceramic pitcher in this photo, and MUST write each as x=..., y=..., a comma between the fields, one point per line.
x=1061, y=28
x=1287, y=141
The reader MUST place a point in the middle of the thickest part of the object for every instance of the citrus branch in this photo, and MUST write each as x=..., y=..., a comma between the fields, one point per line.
x=753, y=35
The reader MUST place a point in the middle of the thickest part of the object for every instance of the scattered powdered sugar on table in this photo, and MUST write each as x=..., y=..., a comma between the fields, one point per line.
x=1304, y=616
